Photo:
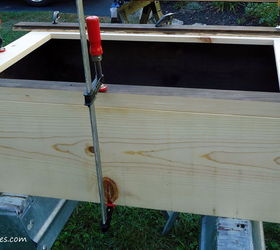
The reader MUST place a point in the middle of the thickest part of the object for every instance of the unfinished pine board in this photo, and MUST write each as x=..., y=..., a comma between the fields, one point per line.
x=221, y=158
x=33, y=40
x=276, y=46
x=161, y=37
x=191, y=93
x=22, y=47
x=150, y=28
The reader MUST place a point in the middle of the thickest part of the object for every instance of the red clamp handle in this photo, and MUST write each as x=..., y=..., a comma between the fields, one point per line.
x=94, y=37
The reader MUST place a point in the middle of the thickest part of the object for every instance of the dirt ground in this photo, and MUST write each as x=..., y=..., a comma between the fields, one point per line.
x=206, y=13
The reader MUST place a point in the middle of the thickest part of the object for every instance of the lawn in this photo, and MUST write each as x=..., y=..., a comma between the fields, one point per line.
x=8, y=19
x=132, y=228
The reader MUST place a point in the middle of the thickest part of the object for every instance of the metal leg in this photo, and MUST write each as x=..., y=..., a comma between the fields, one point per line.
x=219, y=233
x=146, y=14
x=34, y=221
x=156, y=9
x=171, y=218
x=258, y=235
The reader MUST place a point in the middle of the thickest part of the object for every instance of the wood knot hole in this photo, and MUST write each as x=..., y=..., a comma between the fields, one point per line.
x=90, y=149
x=110, y=189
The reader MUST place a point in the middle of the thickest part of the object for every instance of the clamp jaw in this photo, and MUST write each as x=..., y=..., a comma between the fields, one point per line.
x=96, y=52
x=55, y=17
x=96, y=87
x=109, y=210
x=165, y=20
x=2, y=49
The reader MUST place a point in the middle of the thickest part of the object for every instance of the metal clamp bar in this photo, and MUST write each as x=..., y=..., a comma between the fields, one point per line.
x=92, y=114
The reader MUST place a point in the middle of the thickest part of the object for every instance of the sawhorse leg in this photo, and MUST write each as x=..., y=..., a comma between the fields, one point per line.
x=226, y=233
x=148, y=6
x=171, y=218
x=153, y=7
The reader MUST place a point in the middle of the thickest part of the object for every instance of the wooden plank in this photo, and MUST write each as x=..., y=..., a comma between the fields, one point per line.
x=276, y=46
x=184, y=38
x=28, y=43
x=150, y=28
x=129, y=8
x=143, y=90
x=133, y=6
x=205, y=160
x=22, y=47
x=194, y=96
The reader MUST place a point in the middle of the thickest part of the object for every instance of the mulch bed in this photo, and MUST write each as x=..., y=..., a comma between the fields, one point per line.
x=206, y=13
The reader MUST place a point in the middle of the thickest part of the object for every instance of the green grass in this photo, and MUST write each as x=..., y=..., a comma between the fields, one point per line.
x=136, y=228
x=180, y=5
x=226, y=6
x=272, y=236
x=265, y=13
x=8, y=19
x=132, y=228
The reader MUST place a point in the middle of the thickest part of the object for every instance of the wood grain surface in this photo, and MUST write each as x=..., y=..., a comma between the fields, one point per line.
x=150, y=28
x=204, y=156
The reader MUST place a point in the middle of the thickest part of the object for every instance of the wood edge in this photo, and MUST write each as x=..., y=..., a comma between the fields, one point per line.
x=136, y=28
x=184, y=38
x=148, y=90
x=276, y=47
x=22, y=47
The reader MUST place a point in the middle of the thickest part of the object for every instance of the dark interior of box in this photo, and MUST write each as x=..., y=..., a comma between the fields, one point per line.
x=190, y=65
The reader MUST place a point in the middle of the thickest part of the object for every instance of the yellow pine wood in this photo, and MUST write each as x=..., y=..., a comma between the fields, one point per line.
x=33, y=40
x=276, y=46
x=153, y=102
x=22, y=47
x=205, y=160
x=181, y=38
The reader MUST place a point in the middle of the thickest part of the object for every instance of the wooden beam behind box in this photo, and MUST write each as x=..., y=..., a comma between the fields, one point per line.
x=150, y=28
x=197, y=155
